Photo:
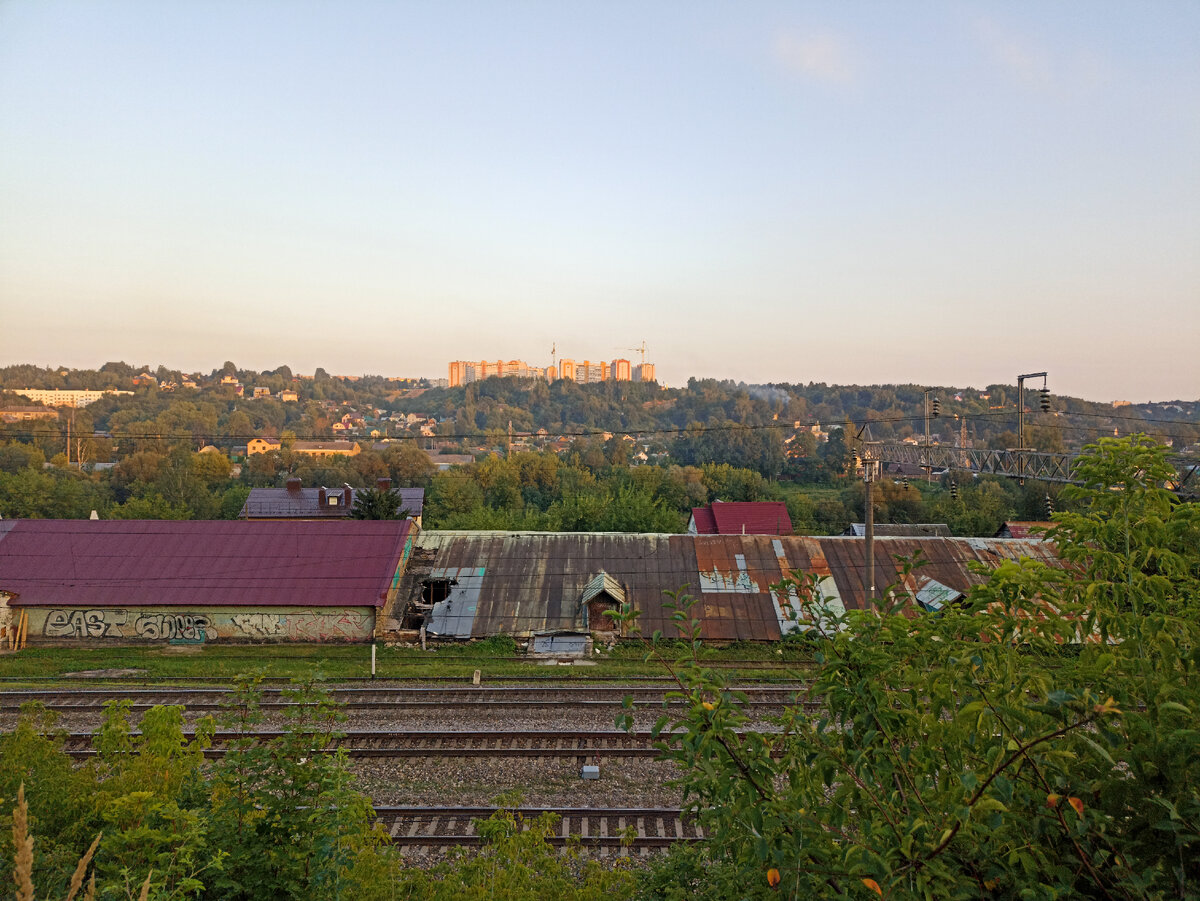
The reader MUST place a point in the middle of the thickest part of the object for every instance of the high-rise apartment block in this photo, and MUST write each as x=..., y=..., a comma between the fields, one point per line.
x=463, y=372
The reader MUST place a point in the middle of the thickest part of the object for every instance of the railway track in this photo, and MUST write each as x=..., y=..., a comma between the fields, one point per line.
x=426, y=743
x=606, y=830
x=384, y=698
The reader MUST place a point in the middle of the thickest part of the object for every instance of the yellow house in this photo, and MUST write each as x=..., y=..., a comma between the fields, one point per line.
x=261, y=445
x=327, y=448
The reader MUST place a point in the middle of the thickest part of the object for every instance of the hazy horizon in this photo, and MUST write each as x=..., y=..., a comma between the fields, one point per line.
x=943, y=193
x=207, y=370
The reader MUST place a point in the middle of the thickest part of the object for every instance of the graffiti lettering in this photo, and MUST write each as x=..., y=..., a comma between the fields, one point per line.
x=172, y=627
x=257, y=625
x=327, y=627
x=76, y=624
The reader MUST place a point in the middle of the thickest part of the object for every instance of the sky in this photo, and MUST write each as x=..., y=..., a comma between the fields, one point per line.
x=941, y=193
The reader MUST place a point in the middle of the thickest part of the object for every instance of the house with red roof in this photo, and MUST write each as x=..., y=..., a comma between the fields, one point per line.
x=741, y=518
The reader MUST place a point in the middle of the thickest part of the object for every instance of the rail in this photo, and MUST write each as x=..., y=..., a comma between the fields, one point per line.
x=385, y=698
x=624, y=830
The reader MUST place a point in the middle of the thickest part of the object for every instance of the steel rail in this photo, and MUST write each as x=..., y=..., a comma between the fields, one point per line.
x=439, y=743
x=381, y=698
x=620, y=828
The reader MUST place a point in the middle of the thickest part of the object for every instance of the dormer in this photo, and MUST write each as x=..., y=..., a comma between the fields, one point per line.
x=602, y=595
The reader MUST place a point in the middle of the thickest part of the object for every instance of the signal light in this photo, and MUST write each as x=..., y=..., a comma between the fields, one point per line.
x=936, y=407
x=1045, y=399
x=1049, y=505
x=906, y=483
x=954, y=489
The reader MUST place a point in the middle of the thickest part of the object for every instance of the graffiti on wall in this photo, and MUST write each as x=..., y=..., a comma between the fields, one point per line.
x=116, y=624
x=77, y=624
x=174, y=627
x=258, y=625
x=327, y=626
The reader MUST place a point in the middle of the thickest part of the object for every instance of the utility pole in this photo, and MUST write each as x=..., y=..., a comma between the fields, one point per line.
x=1023, y=444
x=869, y=481
x=925, y=456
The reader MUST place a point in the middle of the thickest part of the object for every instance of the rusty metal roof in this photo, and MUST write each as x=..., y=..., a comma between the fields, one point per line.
x=902, y=530
x=117, y=563
x=525, y=582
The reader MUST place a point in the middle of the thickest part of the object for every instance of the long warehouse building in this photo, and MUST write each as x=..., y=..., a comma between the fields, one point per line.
x=71, y=582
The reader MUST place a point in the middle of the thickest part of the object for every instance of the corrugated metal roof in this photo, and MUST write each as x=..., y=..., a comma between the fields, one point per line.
x=743, y=518
x=901, y=530
x=111, y=563
x=305, y=503
x=527, y=582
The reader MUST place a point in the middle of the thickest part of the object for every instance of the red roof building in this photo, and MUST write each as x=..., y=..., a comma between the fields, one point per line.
x=197, y=581
x=741, y=518
x=1024, y=529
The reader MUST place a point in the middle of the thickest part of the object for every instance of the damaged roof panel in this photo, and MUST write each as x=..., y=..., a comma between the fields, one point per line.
x=531, y=582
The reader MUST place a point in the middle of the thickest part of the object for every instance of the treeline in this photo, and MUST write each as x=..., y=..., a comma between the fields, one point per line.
x=590, y=488
x=677, y=419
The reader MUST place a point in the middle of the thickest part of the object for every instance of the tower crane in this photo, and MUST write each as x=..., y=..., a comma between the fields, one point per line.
x=641, y=350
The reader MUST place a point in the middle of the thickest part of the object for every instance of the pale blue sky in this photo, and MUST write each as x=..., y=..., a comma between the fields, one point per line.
x=944, y=193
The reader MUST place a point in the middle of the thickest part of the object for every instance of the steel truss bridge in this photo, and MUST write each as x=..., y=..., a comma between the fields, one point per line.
x=1017, y=463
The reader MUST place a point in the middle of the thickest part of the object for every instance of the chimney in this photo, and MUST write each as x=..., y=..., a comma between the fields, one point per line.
x=383, y=484
x=293, y=485
x=347, y=494
x=321, y=495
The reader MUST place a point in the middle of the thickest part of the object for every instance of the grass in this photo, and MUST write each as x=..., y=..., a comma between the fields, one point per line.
x=495, y=657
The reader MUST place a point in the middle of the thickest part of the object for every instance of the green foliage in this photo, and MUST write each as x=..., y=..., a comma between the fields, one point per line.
x=518, y=863
x=968, y=754
x=284, y=814
x=62, y=812
x=276, y=819
x=1137, y=542
x=377, y=503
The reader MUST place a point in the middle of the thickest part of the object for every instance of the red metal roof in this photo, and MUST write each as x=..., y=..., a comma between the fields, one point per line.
x=743, y=518
x=1024, y=529
x=113, y=563
x=705, y=524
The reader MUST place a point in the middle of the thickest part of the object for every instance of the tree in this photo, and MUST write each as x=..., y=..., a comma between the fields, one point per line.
x=1037, y=740
x=377, y=503
x=1134, y=538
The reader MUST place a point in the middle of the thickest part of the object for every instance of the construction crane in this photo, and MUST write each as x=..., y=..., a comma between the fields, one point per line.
x=641, y=350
